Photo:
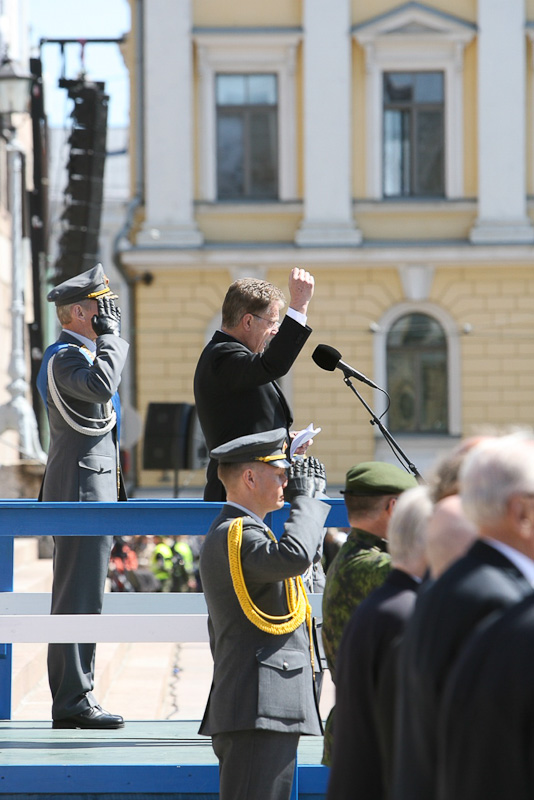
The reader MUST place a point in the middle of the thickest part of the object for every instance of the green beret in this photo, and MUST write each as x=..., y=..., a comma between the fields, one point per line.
x=88, y=285
x=267, y=446
x=373, y=478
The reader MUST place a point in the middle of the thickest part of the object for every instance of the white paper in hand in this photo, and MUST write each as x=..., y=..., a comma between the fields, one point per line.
x=302, y=437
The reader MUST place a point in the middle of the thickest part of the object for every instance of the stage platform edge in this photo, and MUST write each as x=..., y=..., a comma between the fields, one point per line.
x=159, y=760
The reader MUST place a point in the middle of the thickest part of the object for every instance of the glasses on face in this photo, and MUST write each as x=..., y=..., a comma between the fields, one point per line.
x=272, y=323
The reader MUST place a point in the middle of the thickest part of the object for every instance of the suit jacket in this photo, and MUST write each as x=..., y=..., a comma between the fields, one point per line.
x=82, y=467
x=236, y=391
x=365, y=691
x=260, y=680
x=446, y=614
x=486, y=725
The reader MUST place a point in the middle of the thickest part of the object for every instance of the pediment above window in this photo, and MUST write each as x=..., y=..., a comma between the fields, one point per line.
x=415, y=20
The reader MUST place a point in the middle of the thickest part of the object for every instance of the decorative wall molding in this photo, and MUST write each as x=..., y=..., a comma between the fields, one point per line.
x=415, y=37
x=274, y=52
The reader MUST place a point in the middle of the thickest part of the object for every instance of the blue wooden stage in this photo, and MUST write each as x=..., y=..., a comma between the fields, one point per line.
x=156, y=759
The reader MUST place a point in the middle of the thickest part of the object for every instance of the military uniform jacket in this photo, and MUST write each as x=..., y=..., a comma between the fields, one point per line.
x=361, y=565
x=82, y=467
x=236, y=391
x=260, y=680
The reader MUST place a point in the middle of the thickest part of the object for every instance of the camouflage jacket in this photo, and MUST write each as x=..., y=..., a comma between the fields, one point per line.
x=361, y=565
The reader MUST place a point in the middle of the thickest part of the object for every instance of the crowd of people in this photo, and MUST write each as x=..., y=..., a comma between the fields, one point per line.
x=432, y=689
x=427, y=600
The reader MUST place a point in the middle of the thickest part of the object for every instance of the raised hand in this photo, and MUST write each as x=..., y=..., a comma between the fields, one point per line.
x=108, y=319
x=305, y=476
x=301, y=287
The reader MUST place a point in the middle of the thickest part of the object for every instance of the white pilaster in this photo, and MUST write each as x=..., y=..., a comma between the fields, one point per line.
x=169, y=126
x=328, y=218
x=502, y=215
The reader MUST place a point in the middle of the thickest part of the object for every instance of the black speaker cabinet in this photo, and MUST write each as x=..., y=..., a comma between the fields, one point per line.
x=166, y=440
x=197, y=450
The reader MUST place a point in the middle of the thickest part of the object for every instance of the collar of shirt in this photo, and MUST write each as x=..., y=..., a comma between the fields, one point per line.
x=249, y=513
x=84, y=340
x=524, y=564
x=367, y=540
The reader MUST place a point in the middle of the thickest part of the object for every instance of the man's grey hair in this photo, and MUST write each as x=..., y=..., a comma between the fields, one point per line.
x=64, y=313
x=407, y=527
x=494, y=471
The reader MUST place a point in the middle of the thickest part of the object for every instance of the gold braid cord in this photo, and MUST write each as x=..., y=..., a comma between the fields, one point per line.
x=297, y=600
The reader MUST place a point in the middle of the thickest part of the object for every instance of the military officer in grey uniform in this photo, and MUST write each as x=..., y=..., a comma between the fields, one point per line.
x=78, y=381
x=262, y=695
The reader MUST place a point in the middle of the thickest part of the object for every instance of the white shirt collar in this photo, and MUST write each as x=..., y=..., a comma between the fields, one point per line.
x=524, y=564
x=89, y=343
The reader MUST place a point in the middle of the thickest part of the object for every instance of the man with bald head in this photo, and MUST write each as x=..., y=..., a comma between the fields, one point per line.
x=449, y=535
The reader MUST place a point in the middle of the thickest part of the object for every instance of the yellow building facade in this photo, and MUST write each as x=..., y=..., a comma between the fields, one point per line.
x=380, y=145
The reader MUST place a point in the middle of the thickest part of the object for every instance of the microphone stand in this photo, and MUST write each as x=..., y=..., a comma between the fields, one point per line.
x=386, y=434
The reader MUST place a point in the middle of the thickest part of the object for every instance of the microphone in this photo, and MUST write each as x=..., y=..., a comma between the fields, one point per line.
x=329, y=358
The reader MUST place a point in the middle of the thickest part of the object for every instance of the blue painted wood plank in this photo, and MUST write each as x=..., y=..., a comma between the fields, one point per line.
x=145, y=517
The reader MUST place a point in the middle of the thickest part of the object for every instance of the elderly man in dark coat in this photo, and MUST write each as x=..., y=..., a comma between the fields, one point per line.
x=367, y=659
x=363, y=562
x=262, y=695
x=78, y=381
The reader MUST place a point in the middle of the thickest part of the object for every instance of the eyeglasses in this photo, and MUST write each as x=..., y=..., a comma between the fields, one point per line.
x=271, y=322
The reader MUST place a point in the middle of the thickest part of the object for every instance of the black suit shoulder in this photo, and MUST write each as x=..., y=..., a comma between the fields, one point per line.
x=365, y=691
x=482, y=582
x=486, y=721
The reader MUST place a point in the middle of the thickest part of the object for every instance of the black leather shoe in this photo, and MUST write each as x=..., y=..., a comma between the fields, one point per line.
x=95, y=718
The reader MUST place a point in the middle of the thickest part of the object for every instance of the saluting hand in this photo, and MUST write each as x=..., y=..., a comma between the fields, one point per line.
x=305, y=476
x=108, y=319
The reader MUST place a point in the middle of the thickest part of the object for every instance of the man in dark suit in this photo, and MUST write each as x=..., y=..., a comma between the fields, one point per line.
x=235, y=380
x=363, y=562
x=78, y=381
x=486, y=726
x=262, y=695
x=367, y=658
x=489, y=578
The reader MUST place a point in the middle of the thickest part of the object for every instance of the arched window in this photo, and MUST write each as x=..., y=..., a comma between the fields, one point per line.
x=416, y=357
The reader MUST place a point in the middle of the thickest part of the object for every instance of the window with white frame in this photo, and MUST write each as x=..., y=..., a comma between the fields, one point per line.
x=409, y=40
x=414, y=146
x=416, y=347
x=247, y=136
x=247, y=114
x=417, y=375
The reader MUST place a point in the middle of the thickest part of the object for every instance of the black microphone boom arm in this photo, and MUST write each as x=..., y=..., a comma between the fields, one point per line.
x=329, y=358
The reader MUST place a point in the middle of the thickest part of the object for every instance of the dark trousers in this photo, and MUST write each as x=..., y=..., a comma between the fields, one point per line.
x=80, y=570
x=255, y=764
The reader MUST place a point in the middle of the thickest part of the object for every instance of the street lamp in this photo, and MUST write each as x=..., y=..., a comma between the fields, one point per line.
x=17, y=414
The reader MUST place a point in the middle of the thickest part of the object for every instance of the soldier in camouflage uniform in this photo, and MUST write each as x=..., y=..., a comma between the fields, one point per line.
x=363, y=563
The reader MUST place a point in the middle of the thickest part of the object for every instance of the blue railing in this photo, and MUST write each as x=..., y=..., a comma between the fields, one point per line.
x=135, y=517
